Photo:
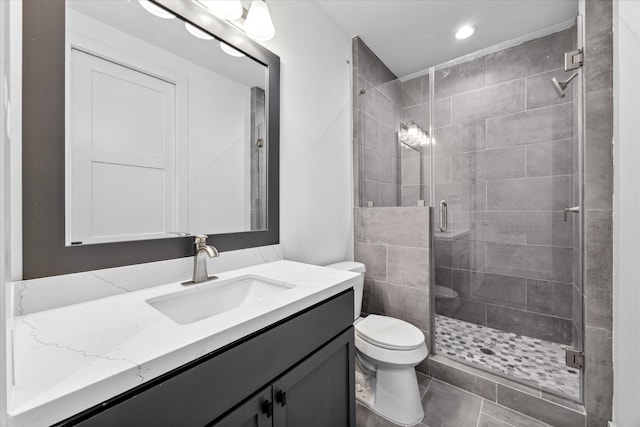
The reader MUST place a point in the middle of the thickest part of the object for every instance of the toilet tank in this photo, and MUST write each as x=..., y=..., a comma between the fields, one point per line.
x=356, y=267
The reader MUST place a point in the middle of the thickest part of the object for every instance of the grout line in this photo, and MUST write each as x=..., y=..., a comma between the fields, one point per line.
x=503, y=421
x=428, y=386
x=456, y=387
x=479, y=416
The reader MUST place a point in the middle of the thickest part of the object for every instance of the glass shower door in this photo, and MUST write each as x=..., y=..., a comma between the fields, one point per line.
x=506, y=227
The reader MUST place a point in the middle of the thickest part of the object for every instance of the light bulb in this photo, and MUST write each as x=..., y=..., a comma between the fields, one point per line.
x=465, y=32
x=197, y=32
x=156, y=10
x=224, y=9
x=230, y=51
x=258, y=24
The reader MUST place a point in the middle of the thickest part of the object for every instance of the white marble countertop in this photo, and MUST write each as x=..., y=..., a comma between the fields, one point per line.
x=71, y=358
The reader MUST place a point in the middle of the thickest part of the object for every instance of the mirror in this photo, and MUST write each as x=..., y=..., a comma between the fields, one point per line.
x=163, y=144
x=139, y=131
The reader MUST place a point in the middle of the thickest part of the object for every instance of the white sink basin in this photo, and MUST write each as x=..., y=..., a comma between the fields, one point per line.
x=212, y=298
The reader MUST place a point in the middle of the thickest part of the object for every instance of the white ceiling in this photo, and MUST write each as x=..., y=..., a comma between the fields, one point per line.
x=412, y=35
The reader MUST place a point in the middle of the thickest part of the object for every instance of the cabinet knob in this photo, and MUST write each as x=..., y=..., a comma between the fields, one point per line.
x=267, y=408
x=281, y=398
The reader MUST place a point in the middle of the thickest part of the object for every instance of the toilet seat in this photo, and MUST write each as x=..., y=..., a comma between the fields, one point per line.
x=389, y=341
x=389, y=333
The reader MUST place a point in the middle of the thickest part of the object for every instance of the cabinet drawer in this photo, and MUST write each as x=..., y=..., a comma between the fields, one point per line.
x=201, y=391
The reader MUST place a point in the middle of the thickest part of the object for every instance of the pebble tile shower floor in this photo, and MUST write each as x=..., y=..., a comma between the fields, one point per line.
x=521, y=357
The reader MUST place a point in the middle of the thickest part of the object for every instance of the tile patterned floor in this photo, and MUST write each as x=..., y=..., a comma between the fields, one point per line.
x=529, y=359
x=448, y=406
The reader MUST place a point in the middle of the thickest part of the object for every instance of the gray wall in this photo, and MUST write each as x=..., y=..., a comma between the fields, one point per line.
x=393, y=243
x=598, y=200
x=504, y=163
x=376, y=119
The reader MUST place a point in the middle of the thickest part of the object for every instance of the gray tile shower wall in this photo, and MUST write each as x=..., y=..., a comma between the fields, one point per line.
x=257, y=153
x=598, y=199
x=504, y=164
x=376, y=113
x=393, y=243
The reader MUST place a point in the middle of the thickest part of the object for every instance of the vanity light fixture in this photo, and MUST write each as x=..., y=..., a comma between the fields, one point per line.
x=231, y=51
x=258, y=24
x=413, y=135
x=465, y=32
x=197, y=32
x=224, y=9
x=156, y=10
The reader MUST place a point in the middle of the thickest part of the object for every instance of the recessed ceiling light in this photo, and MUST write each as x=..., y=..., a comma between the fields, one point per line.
x=465, y=32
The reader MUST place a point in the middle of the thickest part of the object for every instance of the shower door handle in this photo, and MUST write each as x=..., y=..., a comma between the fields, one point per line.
x=574, y=210
x=443, y=216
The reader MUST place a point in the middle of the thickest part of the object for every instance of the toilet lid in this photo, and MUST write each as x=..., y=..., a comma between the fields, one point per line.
x=389, y=332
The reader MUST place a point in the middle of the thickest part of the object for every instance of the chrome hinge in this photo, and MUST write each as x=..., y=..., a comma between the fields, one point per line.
x=573, y=59
x=574, y=358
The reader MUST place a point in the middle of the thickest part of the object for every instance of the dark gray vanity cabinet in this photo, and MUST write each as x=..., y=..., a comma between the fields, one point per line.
x=314, y=393
x=257, y=411
x=297, y=372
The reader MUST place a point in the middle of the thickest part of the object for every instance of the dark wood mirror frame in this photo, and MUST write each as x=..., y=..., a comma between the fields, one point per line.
x=43, y=151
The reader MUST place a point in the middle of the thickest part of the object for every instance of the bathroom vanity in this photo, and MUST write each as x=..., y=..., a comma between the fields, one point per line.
x=297, y=372
x=280, y=359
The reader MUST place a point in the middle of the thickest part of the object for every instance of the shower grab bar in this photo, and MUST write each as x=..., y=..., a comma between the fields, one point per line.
x=443, y=216
x=574, y=210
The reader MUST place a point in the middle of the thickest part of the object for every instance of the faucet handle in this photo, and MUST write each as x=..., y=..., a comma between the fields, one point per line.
x=200, y=239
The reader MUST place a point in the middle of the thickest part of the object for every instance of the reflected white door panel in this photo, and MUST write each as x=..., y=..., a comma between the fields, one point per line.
x=123, y=147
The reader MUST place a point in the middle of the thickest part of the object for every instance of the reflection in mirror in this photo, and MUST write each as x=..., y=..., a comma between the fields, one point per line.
x=165, y=132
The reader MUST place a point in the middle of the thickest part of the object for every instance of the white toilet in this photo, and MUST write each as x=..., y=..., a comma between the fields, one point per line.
x=387, y=351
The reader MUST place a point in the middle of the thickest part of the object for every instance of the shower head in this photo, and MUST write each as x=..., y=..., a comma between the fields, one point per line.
x=561, y=86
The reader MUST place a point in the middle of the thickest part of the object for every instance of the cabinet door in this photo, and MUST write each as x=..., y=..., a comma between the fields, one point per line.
x=255, y=412
x=319, y=391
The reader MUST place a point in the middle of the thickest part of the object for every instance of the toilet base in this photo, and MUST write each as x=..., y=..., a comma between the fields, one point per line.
x=391, y=393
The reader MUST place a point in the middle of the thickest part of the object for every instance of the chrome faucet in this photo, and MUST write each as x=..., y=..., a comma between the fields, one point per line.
x=200, y=260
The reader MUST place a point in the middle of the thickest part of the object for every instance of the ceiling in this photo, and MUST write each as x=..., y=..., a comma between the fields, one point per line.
x=412, y=35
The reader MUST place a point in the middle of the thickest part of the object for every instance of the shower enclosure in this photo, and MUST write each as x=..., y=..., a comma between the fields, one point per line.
x=488, y=142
